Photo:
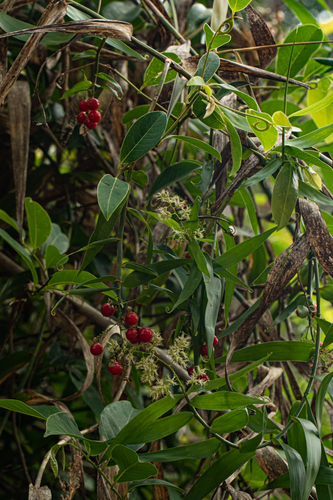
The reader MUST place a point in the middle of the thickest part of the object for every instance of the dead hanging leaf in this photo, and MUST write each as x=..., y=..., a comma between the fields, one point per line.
x=19, y=109
x=261, y=36
x=238, y=495
x=53, y=13
x=320, y=239
x=94, y=27
x=36, y=493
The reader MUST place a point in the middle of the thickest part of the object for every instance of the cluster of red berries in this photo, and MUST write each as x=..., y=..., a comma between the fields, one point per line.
x=93, y=117
x=133, y=336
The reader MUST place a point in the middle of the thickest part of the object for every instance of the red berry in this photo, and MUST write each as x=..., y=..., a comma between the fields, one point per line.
x=203, y=377
x=132, y=336
x=95, y=116
x=83, y=106
x=215, y=341
x=297, y=314
x=93, y=104
x=145, y=335
x=187, y=256
x=107, y=310
x=131, y=318
x=81, y=117
x=190, y=370
x=115, y=368
x=204, y=350
x=90, y=124
x=96, y=349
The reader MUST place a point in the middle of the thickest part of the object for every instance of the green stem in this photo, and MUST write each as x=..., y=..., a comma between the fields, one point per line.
x=100, y=48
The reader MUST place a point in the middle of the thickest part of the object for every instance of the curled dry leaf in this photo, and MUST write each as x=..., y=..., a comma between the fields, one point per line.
x=261, y=36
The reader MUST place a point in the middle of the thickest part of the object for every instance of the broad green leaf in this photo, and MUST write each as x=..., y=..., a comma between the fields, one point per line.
x=280, y=351
x=252, y=104
x=111, y=80
x=62, y=423
x=280, y=119
x=266, y=133
x=163, y=427
x=297, y=475
x=313, y=194
x=198, y=144
x=155, y=69
x=221, y=469
x=218, y=41
x=252, y=444
x=301, y=12
x=20, y=407
x=135, y=113
x=130, y=468
x=58, y=239
x=95, y=447
x=78, y=87
x=312, y=138
x=310, y=157
x=84, y=279
x=122, y=11
x=224, y=400
x=208, y=65
x=320, y=398
x=144, y=134
x=191, y=285
x=152, y=482
x=197, y=254
x=312, y=177
x=194, y=451
x=268, y=170
x=237, y=5
x=111, y=192
x=230, y=422
x=320, y=104
x=140, y=178
x=215, y=120
x=236, y=146
x=284, y=196
x=298, y=55
x=39, y=223
x=114, y=417
x=243, y=250
x=174, y=173
x=5, y=217
x=53, y=257
x=22, y=253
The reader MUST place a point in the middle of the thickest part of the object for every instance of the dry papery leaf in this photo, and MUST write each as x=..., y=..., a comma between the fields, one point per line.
x=94, y=27
x=261, y=36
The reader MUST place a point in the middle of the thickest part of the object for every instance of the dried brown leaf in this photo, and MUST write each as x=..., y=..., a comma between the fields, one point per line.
x=261, y=36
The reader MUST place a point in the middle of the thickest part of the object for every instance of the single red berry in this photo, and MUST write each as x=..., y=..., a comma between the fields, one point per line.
x=204, y=350
x=83, y=106
x=81, y=117
x=107, y=310
x=297, y=314
x=90, y=124
x=190, y=370
x=132, y=336
x=93, y=104
x=131, y=318
x=145, y=335
x=203, y=377
x=187, y=256
x=95, y=116
x=115, y=368
x=215, y=341
x=96, y=349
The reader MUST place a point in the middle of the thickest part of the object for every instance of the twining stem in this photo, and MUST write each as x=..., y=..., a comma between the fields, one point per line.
x=100, y=48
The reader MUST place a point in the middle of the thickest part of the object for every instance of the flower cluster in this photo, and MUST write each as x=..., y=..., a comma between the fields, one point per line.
x=178, y=351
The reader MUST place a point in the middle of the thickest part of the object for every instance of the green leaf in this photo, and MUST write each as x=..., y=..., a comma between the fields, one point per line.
x=251, y=210
x=301, y=12
x=138, y=278
x=137, y=214
x=243, y=250
x=320, y=398
x=39, y=223
x=83, y=279
x=224, y=400
x=194, y=451
x=174, y=173
x=230, y=422
x=155, y=69
x=316, y=107
x=62, y=423
x=198, y=144
x=215, y=120
x=267, y=134
x=111, y=80
x=22, y=253
x=298, y=55
x=218, y=41
x=251, y=445
x=310, y=157
x=268, y=170
x=280, y=351
x=190, y=287
x=78, y=87
x=19, y=407
x=53, y=257
x=135, y=113
x=280, y=119
x=120, y=45
x=252, y=104
x=221, y=469
x=284, y=196
x=140, y=178
x=144, y=134
x=95, y=447
x=151, y=482
x=208, y=65
x=114, y=417
x=111, y=192
x=327, y=329
x=286, y=312
x=213, y=288
x=57, y=239
x=312, y=138
x=326, y=292
x=163, y=427
x=313, y=194
x=5, y=217
x=233, y=327
x=236, y=146
x=297, y=475
x=197, y=254
x=237, y=5
x=130, y=468
x=53, y=459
